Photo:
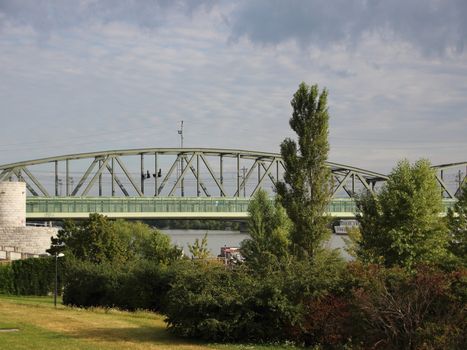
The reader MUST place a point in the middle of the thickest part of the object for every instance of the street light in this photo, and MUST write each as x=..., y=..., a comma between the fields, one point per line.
x=57, y=255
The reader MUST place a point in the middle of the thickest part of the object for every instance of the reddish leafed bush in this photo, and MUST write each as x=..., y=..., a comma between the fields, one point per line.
x=402, y=310
x=326, y=321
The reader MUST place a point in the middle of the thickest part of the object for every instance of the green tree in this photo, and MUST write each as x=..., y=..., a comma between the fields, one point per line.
x=401, y=225
x=306, y=190
x=99, y=240
x=145, y=242
x=269, y=229
x=457, y=223
x=92, y=240
x=199, y=249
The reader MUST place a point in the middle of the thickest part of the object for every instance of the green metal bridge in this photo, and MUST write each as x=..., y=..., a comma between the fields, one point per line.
x=163, y=207
x=180, y=183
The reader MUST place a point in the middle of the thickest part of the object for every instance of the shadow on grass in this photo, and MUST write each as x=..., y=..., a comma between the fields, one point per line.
x=140, y=334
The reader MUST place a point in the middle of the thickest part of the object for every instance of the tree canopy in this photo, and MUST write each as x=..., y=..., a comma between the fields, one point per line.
x=99, y=240
x=269, y=229
x=402, y=225
x=306, y=190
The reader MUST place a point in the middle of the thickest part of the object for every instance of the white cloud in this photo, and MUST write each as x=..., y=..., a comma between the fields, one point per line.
x=107, y=84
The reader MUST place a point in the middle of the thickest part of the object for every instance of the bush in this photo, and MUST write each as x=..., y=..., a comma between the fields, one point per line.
x=207, y=301
x=212, y=302
x=399, y=310
x=88, y=284
x=144, y=287
x=140, y=285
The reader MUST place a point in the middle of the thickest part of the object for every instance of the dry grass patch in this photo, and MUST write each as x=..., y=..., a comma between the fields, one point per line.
x=104, y=329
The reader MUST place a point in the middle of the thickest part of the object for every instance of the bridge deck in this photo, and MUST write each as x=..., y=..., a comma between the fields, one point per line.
x=160, y=207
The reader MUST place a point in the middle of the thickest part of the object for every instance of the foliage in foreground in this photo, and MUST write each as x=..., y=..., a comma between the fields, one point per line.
x=396, y=309
x=321, y=304
x=212, y=302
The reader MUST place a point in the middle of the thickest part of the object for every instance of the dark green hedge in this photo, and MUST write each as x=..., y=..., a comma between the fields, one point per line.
x=139, y=285
x=6, y=279
x=35, y=276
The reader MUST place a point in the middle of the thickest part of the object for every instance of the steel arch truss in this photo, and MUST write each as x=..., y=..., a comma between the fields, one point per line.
x=451, y=177
x=169, y=172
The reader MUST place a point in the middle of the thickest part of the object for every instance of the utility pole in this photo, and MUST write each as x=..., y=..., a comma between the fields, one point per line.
x=180, y=132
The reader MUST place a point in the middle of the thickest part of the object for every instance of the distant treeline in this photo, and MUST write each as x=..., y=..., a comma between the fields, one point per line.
x=185, y=224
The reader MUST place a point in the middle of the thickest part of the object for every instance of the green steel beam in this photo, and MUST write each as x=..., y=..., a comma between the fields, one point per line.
x=36, y=182
x=233, y=153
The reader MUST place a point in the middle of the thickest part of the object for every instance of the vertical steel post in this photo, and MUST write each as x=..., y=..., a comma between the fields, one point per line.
x=56, y=178
x=244, y=181
x=197, y=175
x=238, y=175
x=459, y=174
x=100, y=179
x=259, y=172
x=221, y=174
x=113, y=176
x=277, y=171
x=67, y=180
x=142, y=173
x=182, y=187
x=156, y=175
x=353, y=184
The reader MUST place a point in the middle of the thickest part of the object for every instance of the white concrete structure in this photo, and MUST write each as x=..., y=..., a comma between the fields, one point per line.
x=17, y=240
x=12, y=204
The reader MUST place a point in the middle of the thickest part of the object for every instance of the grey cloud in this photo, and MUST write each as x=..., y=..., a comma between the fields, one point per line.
x=47, y=16
x=432, y=26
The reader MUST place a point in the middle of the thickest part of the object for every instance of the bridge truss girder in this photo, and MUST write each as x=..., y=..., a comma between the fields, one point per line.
x=184, y=163
x=459, y=171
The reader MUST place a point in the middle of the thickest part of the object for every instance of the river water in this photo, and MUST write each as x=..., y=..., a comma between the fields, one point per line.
x=218, y=239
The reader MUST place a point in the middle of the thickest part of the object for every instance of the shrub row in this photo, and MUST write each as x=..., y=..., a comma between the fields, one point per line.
x=367, y=307
x=34, y=276
x=324, y=302
x=139, y=285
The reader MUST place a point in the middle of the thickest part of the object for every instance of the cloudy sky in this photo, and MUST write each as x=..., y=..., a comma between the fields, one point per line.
x=88, y=75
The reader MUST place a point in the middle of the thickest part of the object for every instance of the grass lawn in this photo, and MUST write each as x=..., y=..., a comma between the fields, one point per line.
x=39, y=325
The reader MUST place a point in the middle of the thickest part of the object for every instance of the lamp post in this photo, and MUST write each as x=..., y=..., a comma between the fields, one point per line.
x=57, y=255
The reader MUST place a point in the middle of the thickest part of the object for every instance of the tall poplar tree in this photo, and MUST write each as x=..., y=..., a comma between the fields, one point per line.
x=306, y=190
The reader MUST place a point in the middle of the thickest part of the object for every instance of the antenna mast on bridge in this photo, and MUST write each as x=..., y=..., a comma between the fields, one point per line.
x=180, y=132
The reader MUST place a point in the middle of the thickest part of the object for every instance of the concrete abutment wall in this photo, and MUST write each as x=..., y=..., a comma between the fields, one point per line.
x=14, y=235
